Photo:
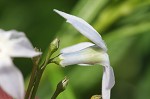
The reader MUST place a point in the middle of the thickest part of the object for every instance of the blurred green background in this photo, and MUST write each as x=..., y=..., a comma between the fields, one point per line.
x=123, y=24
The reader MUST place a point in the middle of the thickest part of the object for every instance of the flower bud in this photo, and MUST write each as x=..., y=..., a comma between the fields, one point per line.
x=61, y=86
x=54, y=45
x=96, y=97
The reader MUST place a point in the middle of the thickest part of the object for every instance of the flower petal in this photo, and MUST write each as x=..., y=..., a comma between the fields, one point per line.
x=108, y=81
x=11, y=81
x=76, y=47
x=111, y=77
x=105, y=90
x=20, y=45
x=90, y=55
x=5, y=61
x=16, y=44
x=84, y=28
x=4, y=35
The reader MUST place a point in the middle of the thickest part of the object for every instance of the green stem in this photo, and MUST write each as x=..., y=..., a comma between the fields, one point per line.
x=52, y=48
x=38, y=77
x=37, y=82
x=31, y=83
x=56, y=93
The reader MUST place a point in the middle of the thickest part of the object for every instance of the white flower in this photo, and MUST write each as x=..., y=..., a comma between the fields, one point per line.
x=87, y=53
x=13, y=44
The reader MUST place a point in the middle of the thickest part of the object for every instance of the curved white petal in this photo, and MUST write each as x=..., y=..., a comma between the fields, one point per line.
x=16, y=44
x=22, y=48
x=83, y=27
x=76, y=47
x=90, y=55
x=108, y=81
x=105, y=91
x=111, y=77
x=11, y=81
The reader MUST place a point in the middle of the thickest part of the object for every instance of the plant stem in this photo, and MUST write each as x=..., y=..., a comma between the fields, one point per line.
x=56, y=93
x=37, y=81
x=31, y=83
x=40, y=71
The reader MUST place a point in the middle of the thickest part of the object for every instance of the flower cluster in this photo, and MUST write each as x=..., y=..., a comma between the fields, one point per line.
x=15, y=44
x=87, y=53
